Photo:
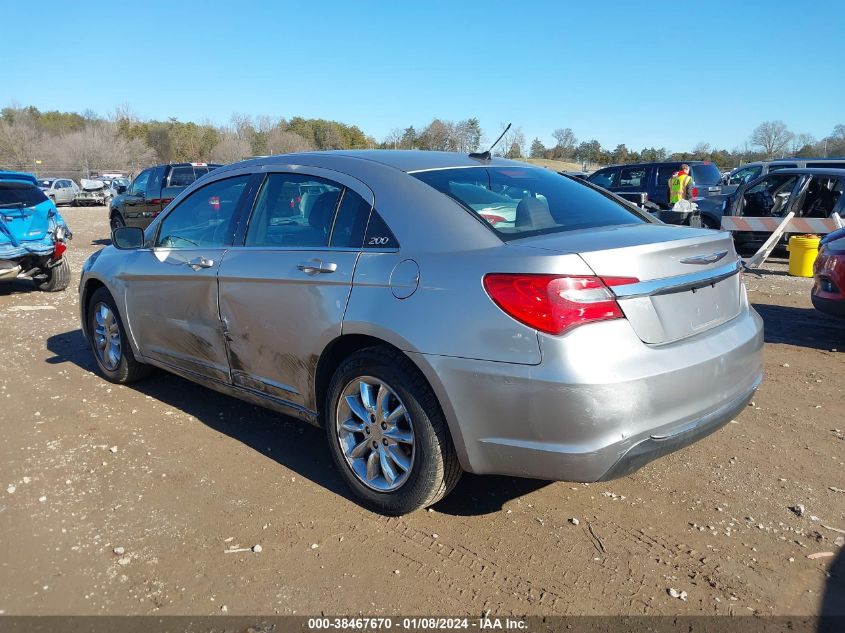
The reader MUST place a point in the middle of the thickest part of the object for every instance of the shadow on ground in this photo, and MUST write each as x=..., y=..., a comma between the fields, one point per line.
x=805, y=327
x=290, y=442
x=833, y=600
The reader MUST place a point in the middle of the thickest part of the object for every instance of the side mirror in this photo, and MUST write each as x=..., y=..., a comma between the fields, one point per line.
x=127, y=238
x=121, y=189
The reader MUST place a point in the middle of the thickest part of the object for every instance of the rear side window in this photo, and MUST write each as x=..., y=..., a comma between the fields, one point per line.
x=534, y=201
x=706, y=174
x=184, y=175
x=603, y=178
x=379, y=234
x=154, y=184
x=14, y=194
x=664, y=173
x=293, y=210
x=351, y=221
x=632, y=177
x=776, y=166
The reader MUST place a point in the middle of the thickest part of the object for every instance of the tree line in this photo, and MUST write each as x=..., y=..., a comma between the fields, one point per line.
x=70, y=143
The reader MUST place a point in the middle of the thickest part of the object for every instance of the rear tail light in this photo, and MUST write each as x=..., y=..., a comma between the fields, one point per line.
x=61, y=247
x=555, y=303
x=492, y=218
x=694, y=192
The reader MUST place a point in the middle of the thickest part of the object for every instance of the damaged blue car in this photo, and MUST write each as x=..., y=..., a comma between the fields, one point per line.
x=33, y=234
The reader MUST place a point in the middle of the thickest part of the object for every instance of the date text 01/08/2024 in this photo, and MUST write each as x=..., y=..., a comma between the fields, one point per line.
x=415, y=624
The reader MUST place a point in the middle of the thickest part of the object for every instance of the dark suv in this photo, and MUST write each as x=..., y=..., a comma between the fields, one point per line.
x=151, y=191
x=653, y=179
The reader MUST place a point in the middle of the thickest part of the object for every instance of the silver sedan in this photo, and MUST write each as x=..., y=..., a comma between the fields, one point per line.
x=435, y=313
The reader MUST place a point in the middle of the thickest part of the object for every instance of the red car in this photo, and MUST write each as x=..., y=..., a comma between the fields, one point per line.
x=829, y=271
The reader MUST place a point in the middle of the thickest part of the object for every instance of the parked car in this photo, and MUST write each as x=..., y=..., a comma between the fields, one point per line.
x=828, y=294
x=151, y=191
x=579, y=341
x=653, y=179
x=60, y=190
x=93, y=192
x=809, y=192
x=33, y=234
x=748, y=172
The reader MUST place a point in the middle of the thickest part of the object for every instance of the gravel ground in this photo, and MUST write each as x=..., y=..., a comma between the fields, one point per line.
x=127, y=500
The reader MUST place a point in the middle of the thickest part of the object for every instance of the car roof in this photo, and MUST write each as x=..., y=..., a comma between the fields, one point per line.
x=805, y=160
x=691, y=163
x=403, y=160
x=832, y=171
x=18, y=175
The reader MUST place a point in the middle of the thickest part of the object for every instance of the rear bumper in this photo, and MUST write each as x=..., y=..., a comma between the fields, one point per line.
x=601, y=404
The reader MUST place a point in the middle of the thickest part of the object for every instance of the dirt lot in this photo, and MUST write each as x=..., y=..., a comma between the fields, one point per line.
x=176, y=475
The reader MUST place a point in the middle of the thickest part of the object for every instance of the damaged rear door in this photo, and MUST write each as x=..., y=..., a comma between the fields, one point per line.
x=284, y=290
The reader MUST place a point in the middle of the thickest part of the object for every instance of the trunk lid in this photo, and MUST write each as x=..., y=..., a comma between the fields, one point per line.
x=688, y=278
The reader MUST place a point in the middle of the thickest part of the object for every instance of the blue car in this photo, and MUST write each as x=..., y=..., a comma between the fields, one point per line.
x=33, y=234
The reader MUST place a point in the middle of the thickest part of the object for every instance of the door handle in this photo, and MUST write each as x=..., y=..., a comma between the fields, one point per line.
x=316, y=266
x=201, y=262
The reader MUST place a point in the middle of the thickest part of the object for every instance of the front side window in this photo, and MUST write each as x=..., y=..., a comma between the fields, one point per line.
x=540, y=200
x=140, y=183
x=204, y=218
x=632, y=177
x=293, y=210
x=745, y=175
x=603, y=178
x=770, y=196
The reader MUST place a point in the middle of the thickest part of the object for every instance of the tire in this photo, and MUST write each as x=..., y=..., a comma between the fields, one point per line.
x=121, y=368
x=708, y=223
x=116, y=221
x=431, y=468
x=58, y=277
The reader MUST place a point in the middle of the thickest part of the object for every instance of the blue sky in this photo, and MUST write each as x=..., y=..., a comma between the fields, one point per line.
x=645, y=74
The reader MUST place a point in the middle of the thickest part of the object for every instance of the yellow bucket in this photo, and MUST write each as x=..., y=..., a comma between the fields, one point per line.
x=803, y=250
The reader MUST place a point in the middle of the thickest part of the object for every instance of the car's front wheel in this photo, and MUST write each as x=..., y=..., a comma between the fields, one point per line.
x=108, y=341
x=116, y=221
x=387, y=434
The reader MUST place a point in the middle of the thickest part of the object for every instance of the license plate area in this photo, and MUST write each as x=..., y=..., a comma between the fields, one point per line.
x=671, y=316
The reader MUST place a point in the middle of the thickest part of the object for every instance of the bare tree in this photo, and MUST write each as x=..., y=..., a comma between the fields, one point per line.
x=393, y=140
x=280, y=141
x=565, y=138
x=772, y=137
x=231, y=149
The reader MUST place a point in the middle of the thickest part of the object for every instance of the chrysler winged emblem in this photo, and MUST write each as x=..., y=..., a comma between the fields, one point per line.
x=704, y=259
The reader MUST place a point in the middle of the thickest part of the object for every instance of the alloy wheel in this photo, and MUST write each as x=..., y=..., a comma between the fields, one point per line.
x=106, y=336
x=375, y=433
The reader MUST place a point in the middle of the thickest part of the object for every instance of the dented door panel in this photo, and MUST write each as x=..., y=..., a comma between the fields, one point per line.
x=171, y=301
x=279, y=317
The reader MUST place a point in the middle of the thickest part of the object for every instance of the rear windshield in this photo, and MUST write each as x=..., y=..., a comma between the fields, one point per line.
x=186, y=175
x=45, y=183
x=517, y=202
x=14, y=194
x=706, y=174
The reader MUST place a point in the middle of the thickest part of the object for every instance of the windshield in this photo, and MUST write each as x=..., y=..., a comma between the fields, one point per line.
x=20, y=193
x=522, y=201
x=706, y=174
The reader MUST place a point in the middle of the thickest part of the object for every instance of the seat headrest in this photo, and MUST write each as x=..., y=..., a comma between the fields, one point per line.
x=323, y=210
x=533, y=214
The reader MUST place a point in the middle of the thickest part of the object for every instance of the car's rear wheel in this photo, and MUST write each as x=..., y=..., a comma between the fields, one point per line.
x=56, y=278
x=387, y=434
x=108, y=341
